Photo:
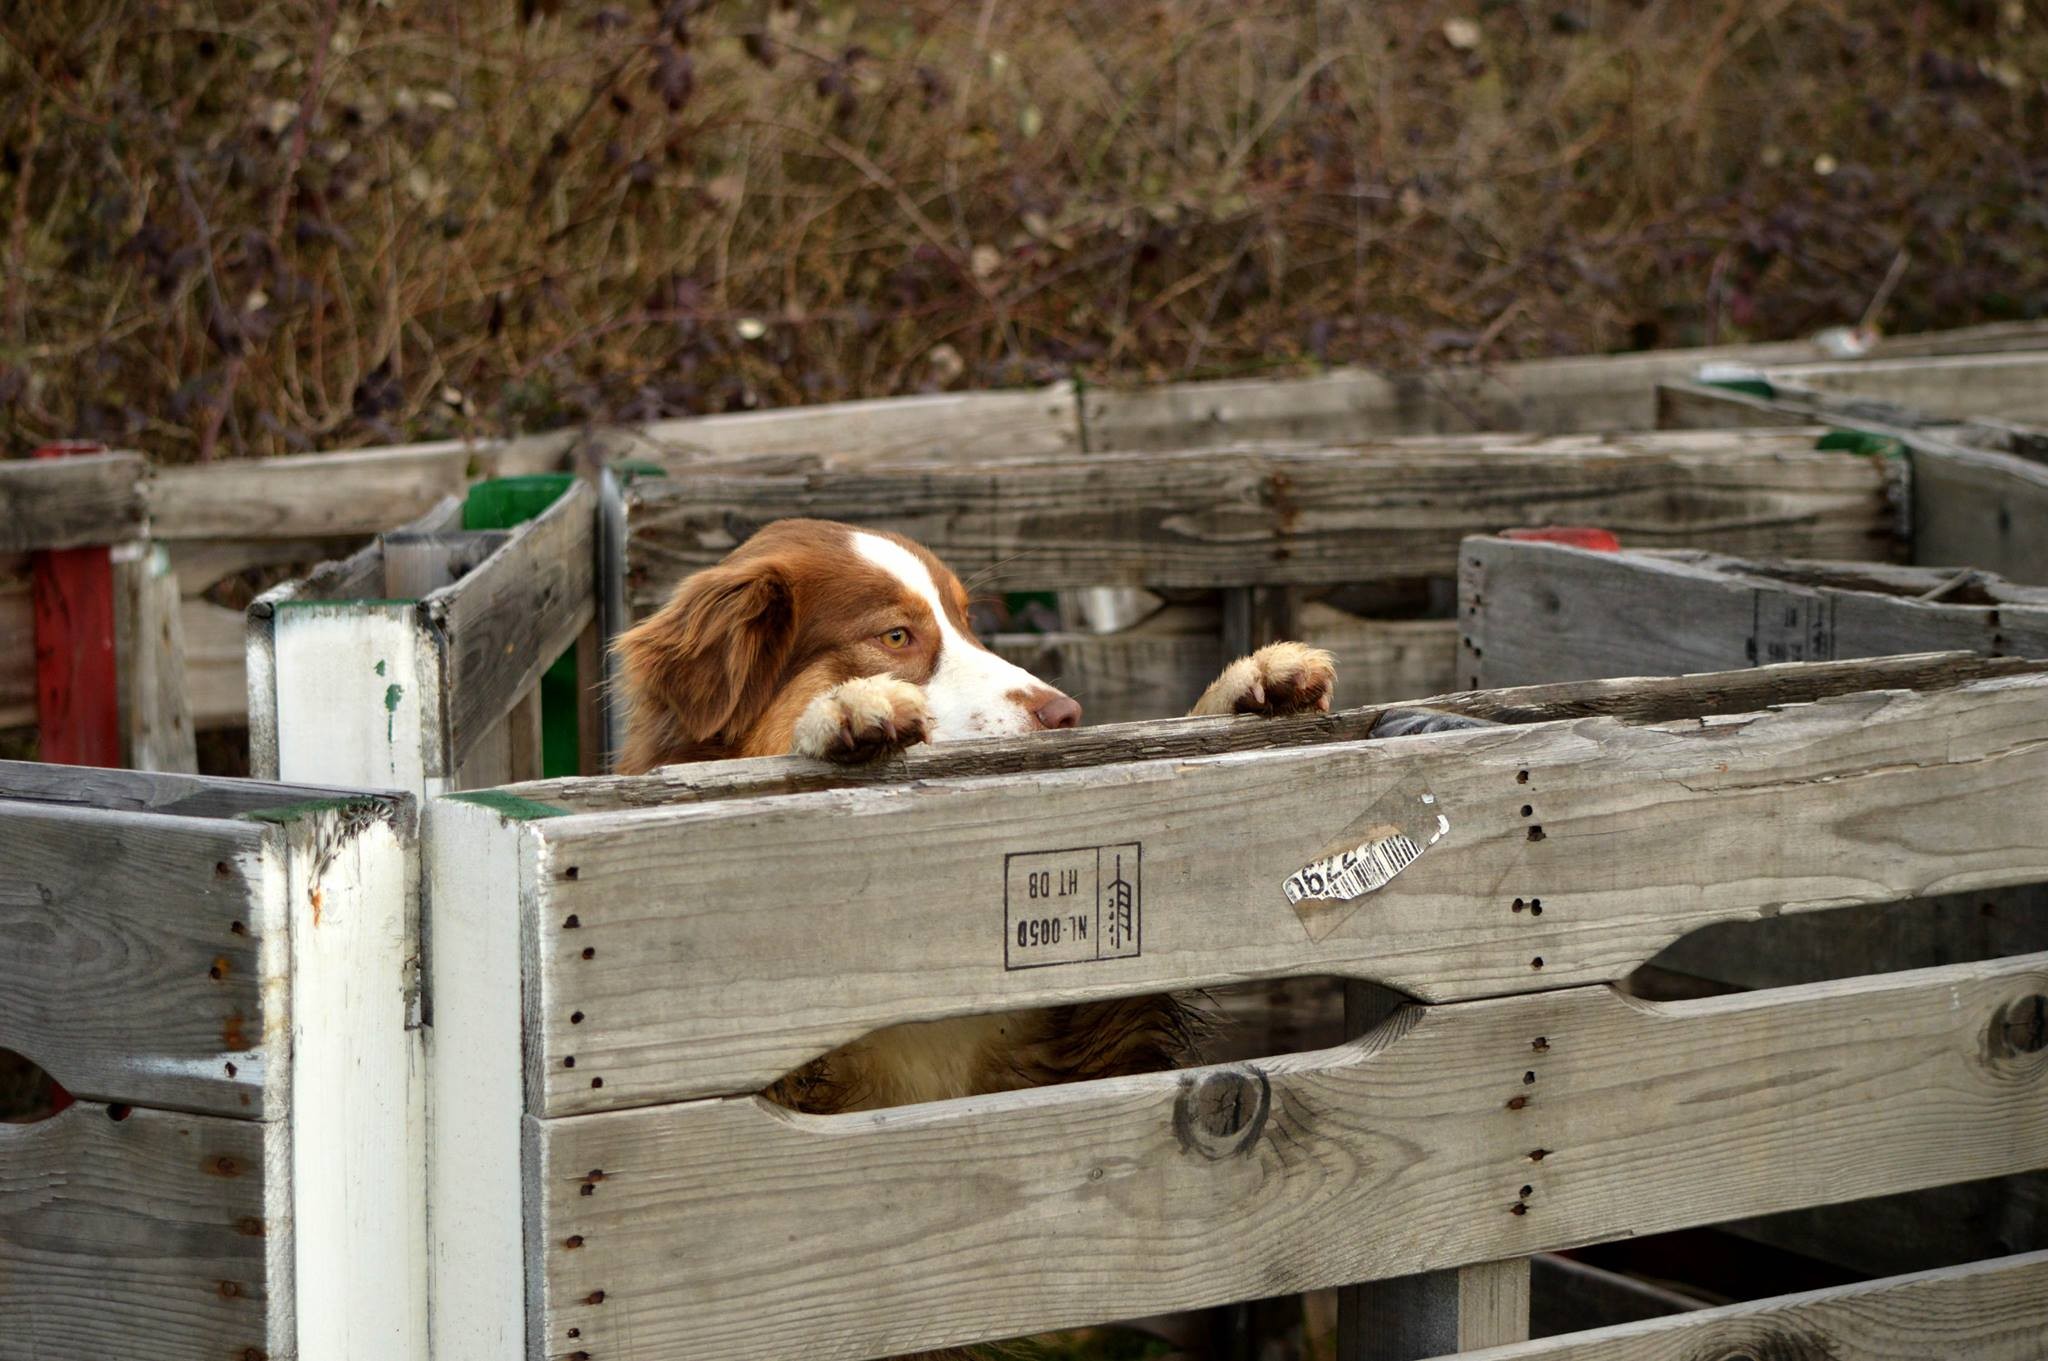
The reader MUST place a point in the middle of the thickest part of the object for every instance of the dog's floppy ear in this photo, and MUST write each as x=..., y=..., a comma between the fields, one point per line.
x=705, y=664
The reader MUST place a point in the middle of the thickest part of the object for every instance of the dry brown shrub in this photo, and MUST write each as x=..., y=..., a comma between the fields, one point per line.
x=246, y=228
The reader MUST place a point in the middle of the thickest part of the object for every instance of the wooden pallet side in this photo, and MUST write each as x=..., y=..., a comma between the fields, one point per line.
x=506, y=620
x=147, y=957
x=1595, y=392
x=2010, y=386
x=1251, y=516
x=139, y=1232
x=308, y=496
x=1635, y=700
x=1994, y=1310
x=939, y=426
x=1451, y=1135
x=1533, y=613
x=1979, y=508
x=1602, y=843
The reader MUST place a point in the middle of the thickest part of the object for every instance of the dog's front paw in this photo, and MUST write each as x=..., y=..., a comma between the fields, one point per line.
x=1280, y=678
x=859, y=720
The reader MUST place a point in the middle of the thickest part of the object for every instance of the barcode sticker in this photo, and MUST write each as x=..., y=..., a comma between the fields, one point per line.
x=1387, y=839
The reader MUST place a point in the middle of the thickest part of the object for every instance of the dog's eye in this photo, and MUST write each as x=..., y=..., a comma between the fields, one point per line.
x=896, y=639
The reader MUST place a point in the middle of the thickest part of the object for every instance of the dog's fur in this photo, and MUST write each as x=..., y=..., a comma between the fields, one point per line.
x=845, y=644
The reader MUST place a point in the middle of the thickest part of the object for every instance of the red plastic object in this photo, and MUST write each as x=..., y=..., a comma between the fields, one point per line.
x=1577, y=536
x=78, y=705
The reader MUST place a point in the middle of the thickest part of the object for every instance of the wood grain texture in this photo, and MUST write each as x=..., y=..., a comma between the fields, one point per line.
x=505, y=622
x=149, y=638
x=733, y=1229
x=1599, y=392
x=1980, y=508
x=1250, y=516
x=303, y=496
x=1633, y=700
x=952, y=425
x=160, y=1235
x=146, y=957
x=1541, y=612
x=1984, y=1311
x=216, y=677
x=689, y=971
x=1706, y=406
x=70, y=502
x=135, y=791
x=17, y=643
x=2008, y=386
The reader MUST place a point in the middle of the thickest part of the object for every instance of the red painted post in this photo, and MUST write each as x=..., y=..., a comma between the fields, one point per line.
x=78, y=702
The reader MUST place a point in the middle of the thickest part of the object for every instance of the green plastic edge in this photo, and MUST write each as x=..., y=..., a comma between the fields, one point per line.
x=1861, y=442
x=1750, y=387
x=501, y=503
x=511, y=805
x=628, y=468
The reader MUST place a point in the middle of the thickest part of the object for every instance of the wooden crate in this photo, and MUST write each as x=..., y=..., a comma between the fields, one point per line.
x=1536, y=612
x=91, y=640
x=1260, y=523
x=1979, y=485
x=619, y=962
x=417, y=662
x=225, y=974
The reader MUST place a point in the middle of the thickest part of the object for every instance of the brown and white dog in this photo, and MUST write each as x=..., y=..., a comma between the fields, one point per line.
x=830, y=641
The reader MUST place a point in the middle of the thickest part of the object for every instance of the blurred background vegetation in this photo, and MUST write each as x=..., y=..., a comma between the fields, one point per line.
x=255, y=228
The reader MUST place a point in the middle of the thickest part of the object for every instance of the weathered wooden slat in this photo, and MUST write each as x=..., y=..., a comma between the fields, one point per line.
x=71, y=502
x=155, y=1234
x=1540, y=612
x=1959, y=387
x=149, y=643
x=216, y=679
x=17, y=644
x=1452, y=1135
x=952, y=425
x=1984, y=1311
x=1131, y=677
x=1596, y=392
x=136, y=791
x=670, y=964
x=509, y=619
x=1709, y=406
x=1639, y=700
x=303, y=496
x=1980, y=508
x=1250, y=516
x=146, y=957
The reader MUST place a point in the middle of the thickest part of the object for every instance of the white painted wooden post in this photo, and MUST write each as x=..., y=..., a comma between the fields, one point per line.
x=479, y=871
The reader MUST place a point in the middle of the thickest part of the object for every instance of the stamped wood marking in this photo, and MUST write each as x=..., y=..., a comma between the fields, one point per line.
x=1072, y=906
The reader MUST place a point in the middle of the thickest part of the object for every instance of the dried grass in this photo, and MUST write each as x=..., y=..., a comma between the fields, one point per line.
x=249, y=228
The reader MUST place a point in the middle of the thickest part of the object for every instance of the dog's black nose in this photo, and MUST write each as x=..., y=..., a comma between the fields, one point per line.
x=1058, y=712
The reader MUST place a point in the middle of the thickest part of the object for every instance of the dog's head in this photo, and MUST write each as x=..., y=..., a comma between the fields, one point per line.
x=726, y=665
